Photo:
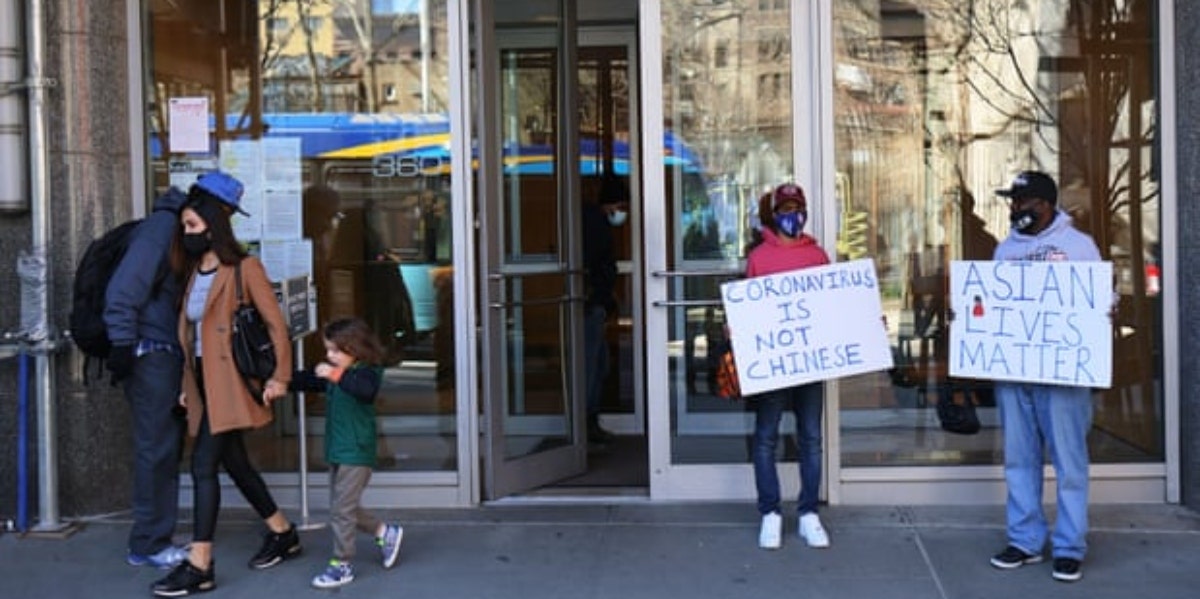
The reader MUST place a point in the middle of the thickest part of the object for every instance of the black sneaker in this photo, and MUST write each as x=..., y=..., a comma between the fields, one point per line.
x=276, y=547
x=1067, y=569
x=1014, y=557
x=184, y=580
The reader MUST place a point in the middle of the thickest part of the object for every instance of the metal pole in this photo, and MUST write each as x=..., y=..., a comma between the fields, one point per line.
x=423, y=15
x=40, y=338
x=23, y=443
x=302, y=433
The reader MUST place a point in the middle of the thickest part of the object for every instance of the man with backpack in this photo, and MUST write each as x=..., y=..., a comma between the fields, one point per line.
x=141, y=313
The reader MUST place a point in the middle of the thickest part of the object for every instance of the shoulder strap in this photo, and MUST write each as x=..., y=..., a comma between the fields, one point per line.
x=238, y=281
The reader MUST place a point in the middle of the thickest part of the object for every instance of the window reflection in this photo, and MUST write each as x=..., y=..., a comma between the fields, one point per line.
x=364, y=86
x=938, y=103
x=728, y=104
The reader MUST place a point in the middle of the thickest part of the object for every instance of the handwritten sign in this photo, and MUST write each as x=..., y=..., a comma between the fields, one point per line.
x=807, y=325
x=1036, y=322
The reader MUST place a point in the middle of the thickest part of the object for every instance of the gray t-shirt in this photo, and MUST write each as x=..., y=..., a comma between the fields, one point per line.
x=194, y=308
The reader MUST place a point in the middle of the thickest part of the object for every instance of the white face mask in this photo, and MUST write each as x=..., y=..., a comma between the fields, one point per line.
x=617, y=218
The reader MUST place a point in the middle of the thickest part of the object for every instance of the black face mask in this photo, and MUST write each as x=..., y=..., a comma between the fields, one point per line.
x=1023, y=220
x=195, y=244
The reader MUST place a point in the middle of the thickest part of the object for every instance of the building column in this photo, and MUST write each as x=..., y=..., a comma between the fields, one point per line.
x=90, y=178
x=1187, y=77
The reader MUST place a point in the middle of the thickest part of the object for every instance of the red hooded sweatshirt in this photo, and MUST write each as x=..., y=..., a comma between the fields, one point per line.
x=781, y=254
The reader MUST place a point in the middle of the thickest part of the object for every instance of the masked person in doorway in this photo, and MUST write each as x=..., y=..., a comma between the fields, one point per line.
x=781, y=245
x=140, y=312
x=611, y=209
x=1034, y=415
x=219, y=405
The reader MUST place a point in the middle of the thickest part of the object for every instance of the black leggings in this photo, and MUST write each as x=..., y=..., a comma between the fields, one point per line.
x=226, y=449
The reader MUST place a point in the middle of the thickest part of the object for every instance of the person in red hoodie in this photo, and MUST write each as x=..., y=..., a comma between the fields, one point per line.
x=781, y=245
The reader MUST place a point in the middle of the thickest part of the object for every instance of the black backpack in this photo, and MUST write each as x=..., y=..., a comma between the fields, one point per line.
x=92, y=276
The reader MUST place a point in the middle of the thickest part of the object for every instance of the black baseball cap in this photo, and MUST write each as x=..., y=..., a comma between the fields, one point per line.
x=1031, y=184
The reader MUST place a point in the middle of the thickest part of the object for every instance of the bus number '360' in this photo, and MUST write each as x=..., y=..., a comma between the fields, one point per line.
x=392, y=165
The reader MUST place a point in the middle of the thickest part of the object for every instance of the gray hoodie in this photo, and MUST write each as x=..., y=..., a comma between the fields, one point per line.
x=1060, y=242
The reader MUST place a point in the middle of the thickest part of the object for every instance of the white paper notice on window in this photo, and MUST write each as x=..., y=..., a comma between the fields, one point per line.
x=188, y=122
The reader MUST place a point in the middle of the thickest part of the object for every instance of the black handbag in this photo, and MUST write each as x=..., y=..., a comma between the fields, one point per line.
x=253, y=350
x=958, y=418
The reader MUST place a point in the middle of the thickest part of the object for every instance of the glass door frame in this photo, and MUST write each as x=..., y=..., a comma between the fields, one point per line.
x=466, y=263
x=809, y=27
x=502, y=475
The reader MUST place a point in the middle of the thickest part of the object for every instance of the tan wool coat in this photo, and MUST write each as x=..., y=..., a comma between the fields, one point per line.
x=230, y=405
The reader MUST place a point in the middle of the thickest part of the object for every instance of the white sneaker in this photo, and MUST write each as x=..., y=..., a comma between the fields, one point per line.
x=389, y=544
x=812, y=532
x=770, y=536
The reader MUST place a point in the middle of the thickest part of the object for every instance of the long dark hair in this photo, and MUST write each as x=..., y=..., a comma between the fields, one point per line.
x=354, y=336
x=216, y=215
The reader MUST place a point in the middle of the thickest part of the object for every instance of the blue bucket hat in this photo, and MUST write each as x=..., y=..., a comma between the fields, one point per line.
x=223, y=187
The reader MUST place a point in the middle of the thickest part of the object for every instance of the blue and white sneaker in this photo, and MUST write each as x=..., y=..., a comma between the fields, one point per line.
x=169, y=557
x=336, y=574
x=389, y=544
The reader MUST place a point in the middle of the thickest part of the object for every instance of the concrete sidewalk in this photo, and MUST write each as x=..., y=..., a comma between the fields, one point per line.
x=636, y=550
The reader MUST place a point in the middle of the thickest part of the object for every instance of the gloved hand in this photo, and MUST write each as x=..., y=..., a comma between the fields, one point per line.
x=120, y=362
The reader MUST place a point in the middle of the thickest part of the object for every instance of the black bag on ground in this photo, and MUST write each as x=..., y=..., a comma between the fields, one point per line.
x=92, y=274
x=253, y=350
x=958, y=418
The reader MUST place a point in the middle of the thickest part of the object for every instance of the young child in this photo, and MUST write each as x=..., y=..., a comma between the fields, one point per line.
x=350, y=379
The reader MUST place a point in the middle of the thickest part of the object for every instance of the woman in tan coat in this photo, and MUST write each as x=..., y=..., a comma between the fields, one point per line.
x=219, y=405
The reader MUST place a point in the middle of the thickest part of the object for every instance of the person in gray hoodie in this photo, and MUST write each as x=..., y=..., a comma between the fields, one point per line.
x=1034, y=415
x=141, y=312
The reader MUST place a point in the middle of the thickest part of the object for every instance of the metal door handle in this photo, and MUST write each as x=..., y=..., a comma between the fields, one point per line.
x=500, y=276
x=670, y=274
x=698, y=303
x=562, y=299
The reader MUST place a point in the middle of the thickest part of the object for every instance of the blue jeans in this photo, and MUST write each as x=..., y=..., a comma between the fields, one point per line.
x=1060, y=418
x=595, y=355
x=152, y=391
x=806, y=403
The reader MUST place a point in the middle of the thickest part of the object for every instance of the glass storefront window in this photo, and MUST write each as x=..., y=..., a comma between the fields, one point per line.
x=938, y=103
x=364, y=88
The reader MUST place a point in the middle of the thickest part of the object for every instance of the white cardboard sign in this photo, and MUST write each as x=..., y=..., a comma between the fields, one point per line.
x=807, y=325
x=1036, y=322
